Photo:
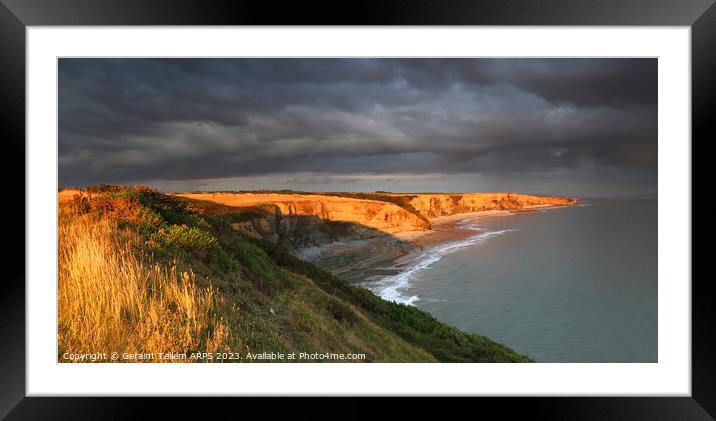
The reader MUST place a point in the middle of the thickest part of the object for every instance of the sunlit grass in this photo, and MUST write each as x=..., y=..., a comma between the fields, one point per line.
x=112, y=300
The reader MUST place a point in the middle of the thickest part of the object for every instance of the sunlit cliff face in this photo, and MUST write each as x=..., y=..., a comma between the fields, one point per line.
x=565, y=126
x=390, y=213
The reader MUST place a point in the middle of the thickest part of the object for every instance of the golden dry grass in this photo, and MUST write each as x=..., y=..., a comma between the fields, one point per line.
x=111, y=300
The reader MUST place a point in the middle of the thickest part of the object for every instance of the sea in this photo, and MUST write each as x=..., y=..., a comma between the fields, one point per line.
x=562, y=284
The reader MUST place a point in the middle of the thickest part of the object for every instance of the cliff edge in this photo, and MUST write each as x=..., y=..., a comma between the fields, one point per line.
x=306, y=219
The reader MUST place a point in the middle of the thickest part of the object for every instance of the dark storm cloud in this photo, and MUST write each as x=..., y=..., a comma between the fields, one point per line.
x=133, y=119
x=582, y=82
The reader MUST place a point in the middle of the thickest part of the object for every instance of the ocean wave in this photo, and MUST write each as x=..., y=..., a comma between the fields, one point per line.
x=392, y=288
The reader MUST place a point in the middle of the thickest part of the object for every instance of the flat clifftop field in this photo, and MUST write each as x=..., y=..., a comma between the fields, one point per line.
x=147, y=274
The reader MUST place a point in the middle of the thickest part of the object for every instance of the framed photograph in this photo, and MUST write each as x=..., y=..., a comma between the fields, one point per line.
x=477, y=199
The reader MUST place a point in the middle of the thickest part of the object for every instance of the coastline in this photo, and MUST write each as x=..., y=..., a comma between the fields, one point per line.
x=444, y=223
x=372, y=259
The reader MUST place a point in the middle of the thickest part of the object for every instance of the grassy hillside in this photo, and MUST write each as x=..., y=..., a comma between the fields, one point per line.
x=139, y=271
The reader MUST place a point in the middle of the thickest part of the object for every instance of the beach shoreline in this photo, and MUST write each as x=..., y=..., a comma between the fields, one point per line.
x=371, y=259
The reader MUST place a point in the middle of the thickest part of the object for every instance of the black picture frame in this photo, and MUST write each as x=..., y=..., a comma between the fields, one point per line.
x=16, y=15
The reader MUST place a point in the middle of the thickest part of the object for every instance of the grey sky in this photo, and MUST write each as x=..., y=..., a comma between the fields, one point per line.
x=585, y=127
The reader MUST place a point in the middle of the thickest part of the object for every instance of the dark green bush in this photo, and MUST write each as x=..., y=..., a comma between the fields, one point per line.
x=185, y=237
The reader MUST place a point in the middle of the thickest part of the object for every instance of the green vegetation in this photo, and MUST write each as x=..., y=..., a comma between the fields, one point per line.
x=257, y=297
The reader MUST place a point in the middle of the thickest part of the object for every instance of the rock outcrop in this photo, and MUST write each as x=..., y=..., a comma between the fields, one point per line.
x=303, y=220
x=383, y=216
x=297, y=221
x=435, y=205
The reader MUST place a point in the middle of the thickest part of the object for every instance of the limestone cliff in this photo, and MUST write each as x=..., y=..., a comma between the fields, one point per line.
x=384, y=216
x=308, y=219
x=296, y=220
x=434, y=205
